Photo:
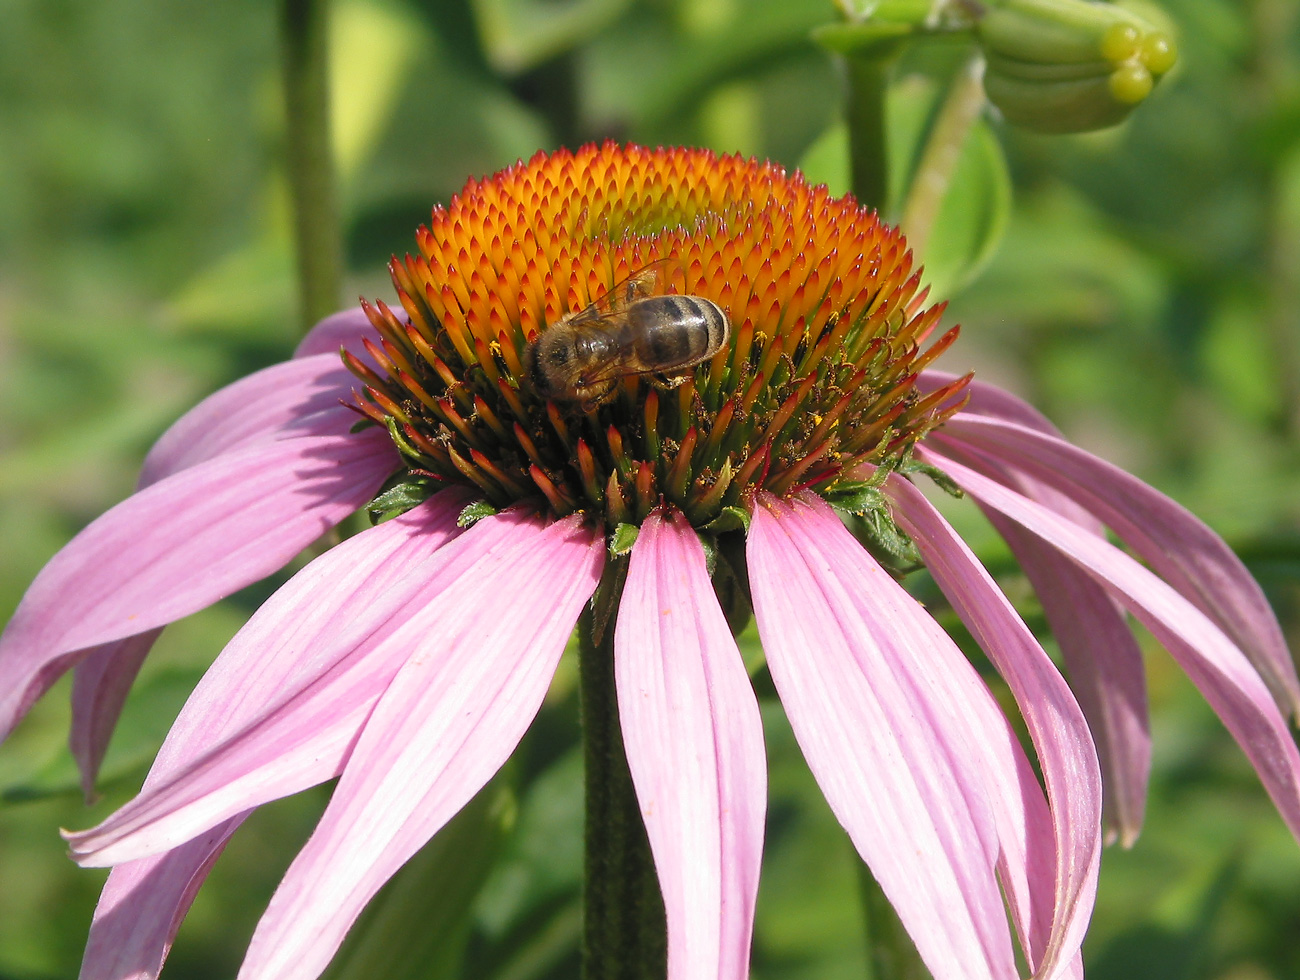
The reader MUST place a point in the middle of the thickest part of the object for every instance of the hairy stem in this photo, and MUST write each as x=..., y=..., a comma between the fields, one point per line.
x=624, y=931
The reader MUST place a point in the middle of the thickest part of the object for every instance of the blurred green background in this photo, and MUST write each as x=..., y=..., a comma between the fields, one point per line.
x=1141, y=285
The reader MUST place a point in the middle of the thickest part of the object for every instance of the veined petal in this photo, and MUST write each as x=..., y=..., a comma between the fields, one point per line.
x=1101, y=654
x=180, y=545
x=342, y=329
x=1218, y=668
x=694, y=742
x=275, y=403
x=278, y=402
x=1056, y=725
x=142, y=905
x=279, y=709
x=100, y=684
x=452, y=715
x=1100, y=651
x=866, y=677
x=1181, y=549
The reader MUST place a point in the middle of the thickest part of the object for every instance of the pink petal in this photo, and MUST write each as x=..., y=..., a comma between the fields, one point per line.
x=271, y=404
x=1056, y=724
x=100, y=685
x=481, y=659
x=1103, y=657
x=880, y=700
x=1181, y=549
x=1101, y=654
x=342, y=329
x=1219, y=669
x=280, y=708
x=142, y=905
x=180, y=545
x=694, y=744
x=278, y=402
x=987, y=399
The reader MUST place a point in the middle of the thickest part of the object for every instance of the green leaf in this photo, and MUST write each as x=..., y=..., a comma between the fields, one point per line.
x=417, y=926
x=729, y=519
x=475, y=512
x=941, y=479
x=625, y=536
x=400, y=493
x=855, y=496
x=521, y=34
x=973, y=212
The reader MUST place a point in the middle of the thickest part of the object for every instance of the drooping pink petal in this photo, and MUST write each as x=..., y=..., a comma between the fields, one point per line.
x=480, y=663
x=290, y=650
x=278, y=402
x=271, y=404
x=1056, y=724
x=694, y=744
x=1104, y=661
x=1181, y=549
x=1218, y=668
x=342, y=329
x=867, y=679
x=1100, y=651
x=100, y=685
x=142, y=906
x=281, y=706
x=180, y=545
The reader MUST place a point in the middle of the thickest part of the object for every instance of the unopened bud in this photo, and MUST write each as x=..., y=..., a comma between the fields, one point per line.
x=1068, y=66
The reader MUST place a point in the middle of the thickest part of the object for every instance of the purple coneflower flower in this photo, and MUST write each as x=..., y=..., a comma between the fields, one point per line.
x=391, y=662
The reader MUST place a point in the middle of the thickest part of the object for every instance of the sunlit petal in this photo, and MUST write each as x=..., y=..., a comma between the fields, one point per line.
x=1055, y=722
x=1178, y=546
x=281, y=707
x=694, y=744
x=181, y=545
x=449, y=719
x=1218, y=668
x=866, y=678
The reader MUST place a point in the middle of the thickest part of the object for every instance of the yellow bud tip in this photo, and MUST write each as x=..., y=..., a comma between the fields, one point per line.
x=1120, y=43
x=1158, y=52
x=1130, y=84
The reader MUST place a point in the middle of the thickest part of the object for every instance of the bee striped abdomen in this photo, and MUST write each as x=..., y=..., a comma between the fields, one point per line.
x=673, y=332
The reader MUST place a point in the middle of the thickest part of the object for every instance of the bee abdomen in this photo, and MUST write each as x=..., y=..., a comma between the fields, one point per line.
x=678, y=331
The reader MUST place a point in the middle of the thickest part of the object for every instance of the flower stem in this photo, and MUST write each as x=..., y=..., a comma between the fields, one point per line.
x=624, y=931
x=942, y=152
x=865, y=112
x=317, y=238
x=891, y=954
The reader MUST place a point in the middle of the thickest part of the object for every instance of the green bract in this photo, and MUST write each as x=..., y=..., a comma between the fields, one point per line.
x=1069, y=66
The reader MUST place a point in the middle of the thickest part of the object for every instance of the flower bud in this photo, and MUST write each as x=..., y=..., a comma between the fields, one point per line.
x=1068, y=66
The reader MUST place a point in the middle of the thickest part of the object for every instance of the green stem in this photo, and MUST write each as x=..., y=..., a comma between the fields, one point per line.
x=317, y=238
x=624, y=931
x=942, y=152
x=865, y=111
x=891, y=954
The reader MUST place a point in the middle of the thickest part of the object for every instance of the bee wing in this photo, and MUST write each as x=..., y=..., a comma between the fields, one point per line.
x=638, y=284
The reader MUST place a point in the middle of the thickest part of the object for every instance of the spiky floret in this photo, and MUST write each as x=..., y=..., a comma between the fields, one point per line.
x=827, y=335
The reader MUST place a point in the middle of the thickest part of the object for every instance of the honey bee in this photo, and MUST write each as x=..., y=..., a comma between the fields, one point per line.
x=628, y=331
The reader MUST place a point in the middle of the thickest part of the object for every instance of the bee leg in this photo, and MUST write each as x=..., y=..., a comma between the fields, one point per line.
x=668, y=382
